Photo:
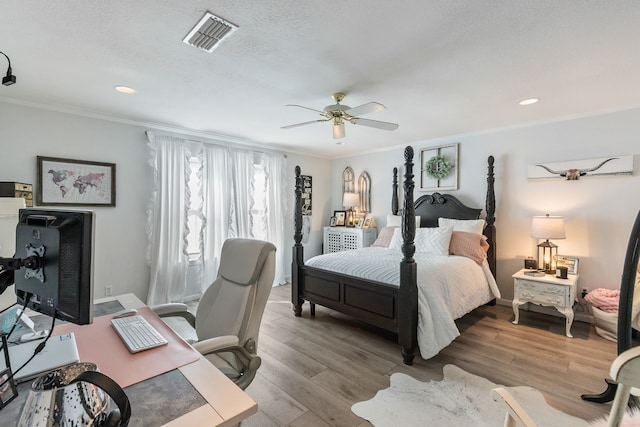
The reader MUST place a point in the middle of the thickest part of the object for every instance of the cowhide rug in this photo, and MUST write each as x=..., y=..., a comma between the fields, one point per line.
x=460, y=399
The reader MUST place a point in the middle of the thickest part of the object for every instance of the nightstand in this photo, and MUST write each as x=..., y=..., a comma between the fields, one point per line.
x=547, y=290
x=338, y=239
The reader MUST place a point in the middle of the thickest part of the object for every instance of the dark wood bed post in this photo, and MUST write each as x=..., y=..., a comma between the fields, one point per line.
x=298, y=249
x=394, y=195
x=408, y=291
x=490, y=229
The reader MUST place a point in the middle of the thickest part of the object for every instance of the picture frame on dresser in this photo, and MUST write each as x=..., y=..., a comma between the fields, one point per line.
x=367, y=222
x=75, y=182
x=340, y=217
x=565, y=261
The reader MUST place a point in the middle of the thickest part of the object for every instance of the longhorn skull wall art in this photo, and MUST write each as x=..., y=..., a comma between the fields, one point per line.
x=576, y=169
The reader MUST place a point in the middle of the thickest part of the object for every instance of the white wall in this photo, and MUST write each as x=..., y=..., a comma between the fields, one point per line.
x=598, y=212
x=120, y=239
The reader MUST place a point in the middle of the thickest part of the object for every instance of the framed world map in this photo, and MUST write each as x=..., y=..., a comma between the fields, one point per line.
x=75, y=182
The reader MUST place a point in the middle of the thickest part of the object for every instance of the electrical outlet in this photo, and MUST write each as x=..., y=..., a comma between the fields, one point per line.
x=108, y=291
x=585, y=291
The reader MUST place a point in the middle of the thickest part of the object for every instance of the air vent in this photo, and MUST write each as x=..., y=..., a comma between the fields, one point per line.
x=209, y=32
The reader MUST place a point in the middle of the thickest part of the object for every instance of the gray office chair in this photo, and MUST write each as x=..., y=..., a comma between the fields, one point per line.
x=225, y=327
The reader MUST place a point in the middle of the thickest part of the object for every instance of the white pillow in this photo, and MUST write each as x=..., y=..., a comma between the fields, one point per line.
x=433, y=240
x=468, y=225
x=428, y=240
x=396, y=221
x=396, y=239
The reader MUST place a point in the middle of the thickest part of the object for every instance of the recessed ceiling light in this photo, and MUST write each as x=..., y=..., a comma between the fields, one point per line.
x=529, y=101
x=125, y=89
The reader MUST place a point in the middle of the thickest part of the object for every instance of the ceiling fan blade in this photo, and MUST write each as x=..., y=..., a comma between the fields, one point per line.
x=302, y=124
x=370, y=107
x=306, y=108
x=375, y=124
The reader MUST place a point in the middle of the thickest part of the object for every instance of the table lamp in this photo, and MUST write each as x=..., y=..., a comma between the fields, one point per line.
x=547, y=227
x=350, y=200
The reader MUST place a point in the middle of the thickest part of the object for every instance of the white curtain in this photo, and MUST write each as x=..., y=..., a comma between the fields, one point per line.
x=275, y=167
x=228, y=184
x=166, y=218
x=216, y=185
x=242, y=173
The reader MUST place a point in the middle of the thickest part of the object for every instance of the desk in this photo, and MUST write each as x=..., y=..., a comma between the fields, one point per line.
x=197, y=394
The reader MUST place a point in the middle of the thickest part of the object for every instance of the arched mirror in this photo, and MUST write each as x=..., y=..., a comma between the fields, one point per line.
x=348, y=180
x=626, y=322
x=364, y=188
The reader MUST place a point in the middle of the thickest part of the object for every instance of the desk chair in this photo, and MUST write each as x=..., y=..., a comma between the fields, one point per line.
x=625, y=370
x=225, y=327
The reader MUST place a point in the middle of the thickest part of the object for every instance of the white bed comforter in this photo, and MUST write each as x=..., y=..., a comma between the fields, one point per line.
x=448, y=287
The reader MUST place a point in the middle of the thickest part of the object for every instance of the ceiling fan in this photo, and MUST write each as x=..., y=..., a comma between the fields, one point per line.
x=338, y=114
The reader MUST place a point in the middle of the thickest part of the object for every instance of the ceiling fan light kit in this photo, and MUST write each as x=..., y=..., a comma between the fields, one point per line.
x=338, y=130
x=339, y=113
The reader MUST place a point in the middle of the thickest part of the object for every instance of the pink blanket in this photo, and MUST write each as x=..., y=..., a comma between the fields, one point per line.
x=604, y=299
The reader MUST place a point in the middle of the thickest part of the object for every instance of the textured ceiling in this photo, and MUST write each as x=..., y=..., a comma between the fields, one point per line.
x=441, y=67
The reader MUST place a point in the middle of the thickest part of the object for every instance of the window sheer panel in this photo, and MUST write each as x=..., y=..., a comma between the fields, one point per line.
x=259, y=226
x=167, y=228
x=243, y=187
x=195, y=220
x=216, y=184
x=275, y=166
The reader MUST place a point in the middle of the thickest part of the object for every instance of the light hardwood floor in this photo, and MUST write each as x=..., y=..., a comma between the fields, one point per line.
x=314, y=369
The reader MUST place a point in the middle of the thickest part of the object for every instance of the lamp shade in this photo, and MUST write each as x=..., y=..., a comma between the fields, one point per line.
x=350, y=200
x=547, y=227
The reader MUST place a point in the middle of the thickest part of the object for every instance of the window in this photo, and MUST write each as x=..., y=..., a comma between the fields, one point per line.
x=195, y=219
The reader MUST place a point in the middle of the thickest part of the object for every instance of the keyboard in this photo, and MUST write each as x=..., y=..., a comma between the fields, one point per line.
x=137, y=334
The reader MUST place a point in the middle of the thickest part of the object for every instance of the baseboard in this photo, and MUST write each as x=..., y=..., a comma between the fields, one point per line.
x=581, y=313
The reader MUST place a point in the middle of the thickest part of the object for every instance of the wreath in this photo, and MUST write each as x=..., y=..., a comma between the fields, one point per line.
x=437, y=167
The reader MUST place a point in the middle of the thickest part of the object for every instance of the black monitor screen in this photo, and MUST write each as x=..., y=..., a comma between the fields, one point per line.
x=61, y=284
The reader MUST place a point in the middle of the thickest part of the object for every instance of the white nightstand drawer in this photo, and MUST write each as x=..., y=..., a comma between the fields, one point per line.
x=543, y=293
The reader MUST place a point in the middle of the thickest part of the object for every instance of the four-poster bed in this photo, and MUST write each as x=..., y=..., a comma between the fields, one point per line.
x=392, y=307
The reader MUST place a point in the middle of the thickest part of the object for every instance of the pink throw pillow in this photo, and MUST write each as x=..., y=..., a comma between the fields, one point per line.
x=471, y=245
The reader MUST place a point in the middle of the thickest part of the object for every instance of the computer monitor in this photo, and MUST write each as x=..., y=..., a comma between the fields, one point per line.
x=60, y=282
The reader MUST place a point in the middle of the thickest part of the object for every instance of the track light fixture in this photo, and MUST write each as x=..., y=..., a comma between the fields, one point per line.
x=9, y=79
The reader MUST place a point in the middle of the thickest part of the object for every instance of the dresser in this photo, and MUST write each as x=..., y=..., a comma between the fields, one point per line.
x=545, y=290
x=338, y=239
